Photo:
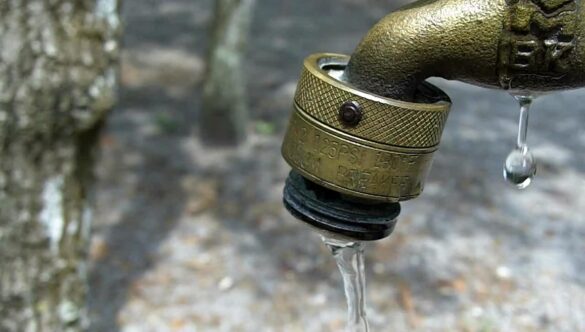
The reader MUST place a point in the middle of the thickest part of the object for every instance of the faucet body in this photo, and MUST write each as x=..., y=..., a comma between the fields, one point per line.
x=518, y=45
x=384, y=154
x=364, y=128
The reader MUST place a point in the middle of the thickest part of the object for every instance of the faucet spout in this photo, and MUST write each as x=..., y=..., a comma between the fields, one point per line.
x=520, y=45
x=364, y=128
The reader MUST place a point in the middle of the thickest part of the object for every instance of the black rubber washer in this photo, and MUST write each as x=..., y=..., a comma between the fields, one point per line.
x=363, y=220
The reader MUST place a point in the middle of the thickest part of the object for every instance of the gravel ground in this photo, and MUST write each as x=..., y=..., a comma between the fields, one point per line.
x=188, y=238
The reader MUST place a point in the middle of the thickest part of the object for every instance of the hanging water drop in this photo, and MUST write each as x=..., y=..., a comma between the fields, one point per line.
x=520, y=166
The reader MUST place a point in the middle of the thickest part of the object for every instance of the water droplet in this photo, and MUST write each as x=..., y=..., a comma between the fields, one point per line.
x=520, y=166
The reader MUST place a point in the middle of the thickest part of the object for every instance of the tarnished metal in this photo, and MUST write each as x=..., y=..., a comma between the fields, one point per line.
x=386, y=156
x=535, y=45
x=368, y=126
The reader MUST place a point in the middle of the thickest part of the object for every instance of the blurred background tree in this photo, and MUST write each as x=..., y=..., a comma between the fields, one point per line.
x=224, y=116
x=57, y=81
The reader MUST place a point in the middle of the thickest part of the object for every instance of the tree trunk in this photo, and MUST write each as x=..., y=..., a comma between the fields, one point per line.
x=57, y=81
x=224, y=115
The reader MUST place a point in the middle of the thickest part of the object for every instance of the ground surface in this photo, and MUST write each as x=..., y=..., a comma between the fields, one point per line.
x=194, y=239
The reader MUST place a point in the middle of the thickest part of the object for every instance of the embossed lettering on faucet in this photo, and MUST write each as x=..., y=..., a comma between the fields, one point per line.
x=296, y=148
x=355, y=179
x=538, y=38
x=394, y=161
x=550, y=6
x=337, y=150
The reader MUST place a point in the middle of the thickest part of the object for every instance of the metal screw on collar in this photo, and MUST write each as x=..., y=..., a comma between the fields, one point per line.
x=350, y=113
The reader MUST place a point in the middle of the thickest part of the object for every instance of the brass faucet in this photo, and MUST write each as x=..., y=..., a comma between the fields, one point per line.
x=366, y=126
x=516, y=45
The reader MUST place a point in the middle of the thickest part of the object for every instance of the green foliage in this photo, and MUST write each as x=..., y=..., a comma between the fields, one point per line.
x=265, y=128
x=165, y=123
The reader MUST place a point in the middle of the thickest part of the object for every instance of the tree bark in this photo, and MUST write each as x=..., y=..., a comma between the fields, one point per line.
x=57, y=83
x=224, y=116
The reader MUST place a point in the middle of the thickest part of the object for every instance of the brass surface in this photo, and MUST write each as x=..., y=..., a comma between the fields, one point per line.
x=386, y=156
x=519, y=45
x=384, y=120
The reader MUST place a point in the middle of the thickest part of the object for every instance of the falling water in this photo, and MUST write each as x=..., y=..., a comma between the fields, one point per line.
x=520, y=166
x=349, y=256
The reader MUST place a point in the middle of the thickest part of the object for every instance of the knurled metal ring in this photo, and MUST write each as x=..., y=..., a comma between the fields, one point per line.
x=382, y=120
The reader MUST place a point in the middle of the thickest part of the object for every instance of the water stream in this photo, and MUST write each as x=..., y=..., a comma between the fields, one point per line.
x=349, y=256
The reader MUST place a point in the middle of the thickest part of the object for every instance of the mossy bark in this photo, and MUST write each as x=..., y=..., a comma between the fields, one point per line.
x=224, y=116
x=57, y=83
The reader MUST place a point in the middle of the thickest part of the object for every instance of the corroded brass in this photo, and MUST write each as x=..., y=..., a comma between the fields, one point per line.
x=385, y=156
x=516, y=45
x=535, y=45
